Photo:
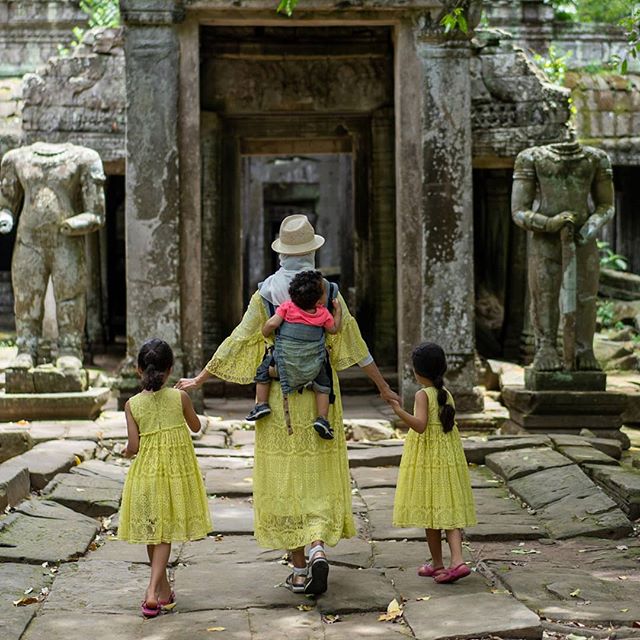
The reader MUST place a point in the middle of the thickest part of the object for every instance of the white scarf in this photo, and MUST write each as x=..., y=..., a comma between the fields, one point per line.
x=275, y=288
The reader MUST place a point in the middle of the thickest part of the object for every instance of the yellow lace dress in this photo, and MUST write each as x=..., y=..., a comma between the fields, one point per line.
x=164, y=499
x=301, y=483
x=434, y=489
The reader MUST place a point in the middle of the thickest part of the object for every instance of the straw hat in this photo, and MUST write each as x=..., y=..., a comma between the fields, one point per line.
x=297, y=236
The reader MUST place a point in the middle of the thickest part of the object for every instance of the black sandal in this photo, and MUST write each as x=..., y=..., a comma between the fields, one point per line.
x=318, y=570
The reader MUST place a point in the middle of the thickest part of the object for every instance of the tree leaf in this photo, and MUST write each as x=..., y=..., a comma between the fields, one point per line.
x=216, y=628
x=575, y=594
x=394, y=611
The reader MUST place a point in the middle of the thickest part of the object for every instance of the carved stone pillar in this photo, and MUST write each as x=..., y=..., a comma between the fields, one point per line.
x=434, y=206
x=152, y=174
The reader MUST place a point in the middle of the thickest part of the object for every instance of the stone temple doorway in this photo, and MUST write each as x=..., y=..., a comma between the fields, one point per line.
x=319, y=186
x=298, y=120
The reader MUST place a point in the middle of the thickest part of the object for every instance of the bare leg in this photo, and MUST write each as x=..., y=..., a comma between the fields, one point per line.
x=434, y=540
x=164, y=589
x=322, y=404
x=300, y=562
x=454, y=539
x=262, y=392
x=160, y=559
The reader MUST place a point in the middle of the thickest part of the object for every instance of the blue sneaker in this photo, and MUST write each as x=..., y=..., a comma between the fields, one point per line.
x=322, y=426
x=259, y=411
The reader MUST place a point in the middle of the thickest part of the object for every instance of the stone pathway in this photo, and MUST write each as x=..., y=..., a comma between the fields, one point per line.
x=554, y=552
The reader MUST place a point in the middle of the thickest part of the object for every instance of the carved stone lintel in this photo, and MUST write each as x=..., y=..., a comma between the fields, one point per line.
x=152, y=13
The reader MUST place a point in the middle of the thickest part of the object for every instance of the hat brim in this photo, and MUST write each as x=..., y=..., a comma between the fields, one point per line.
x=297, y=249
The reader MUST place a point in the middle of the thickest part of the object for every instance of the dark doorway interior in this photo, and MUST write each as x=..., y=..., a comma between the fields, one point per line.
x=116, y=281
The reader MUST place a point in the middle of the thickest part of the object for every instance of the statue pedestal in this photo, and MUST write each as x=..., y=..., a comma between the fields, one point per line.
x=85, y=405
x=565, y=402
x=46, y=378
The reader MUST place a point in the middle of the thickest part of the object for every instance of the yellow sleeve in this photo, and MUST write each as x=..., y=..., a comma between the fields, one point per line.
x=238, y=357
x=346, y=347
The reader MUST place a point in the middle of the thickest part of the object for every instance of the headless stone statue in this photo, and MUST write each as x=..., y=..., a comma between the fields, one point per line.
x=60, y=187
x=563, y=254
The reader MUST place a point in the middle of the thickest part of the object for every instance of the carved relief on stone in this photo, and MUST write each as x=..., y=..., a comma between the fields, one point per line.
x=60, y=188
x=252, y=85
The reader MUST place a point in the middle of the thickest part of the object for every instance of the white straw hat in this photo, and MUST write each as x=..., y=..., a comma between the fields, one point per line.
x=297, y=236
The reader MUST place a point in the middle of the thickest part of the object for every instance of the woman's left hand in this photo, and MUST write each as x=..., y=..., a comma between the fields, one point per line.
x=389, y=395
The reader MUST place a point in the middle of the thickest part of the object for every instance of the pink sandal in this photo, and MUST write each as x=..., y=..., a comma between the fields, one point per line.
x=453, y=574
x=149, y=612
x=427, y=570
x=168, y=604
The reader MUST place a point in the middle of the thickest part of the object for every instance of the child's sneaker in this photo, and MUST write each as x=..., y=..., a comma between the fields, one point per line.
x=259, y=411
x=322, y=426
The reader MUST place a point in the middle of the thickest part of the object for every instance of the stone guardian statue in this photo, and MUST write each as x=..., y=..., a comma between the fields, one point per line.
x=572, y=188
x=56, y=191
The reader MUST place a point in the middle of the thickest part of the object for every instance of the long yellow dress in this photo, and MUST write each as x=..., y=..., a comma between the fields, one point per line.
x=301, y=484
x=164, y=499
x=434, y=489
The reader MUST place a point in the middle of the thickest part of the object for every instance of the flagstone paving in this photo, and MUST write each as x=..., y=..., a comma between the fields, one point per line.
x=535, y=574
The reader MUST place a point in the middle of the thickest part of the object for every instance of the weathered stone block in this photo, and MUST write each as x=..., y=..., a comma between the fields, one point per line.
x=371, y=430
x=515, y=464
x=375, y=456
x=19, y=381
x=586, y=455
x=477, y=450
x=13, y=442
x=15, y=484
x=608, y=446
x=46, y=406
x=564, y=380
x=91, y=495
x=41, y=531
x=50, y=379
x=622, y=484
x=485, y=614
x=231, y=482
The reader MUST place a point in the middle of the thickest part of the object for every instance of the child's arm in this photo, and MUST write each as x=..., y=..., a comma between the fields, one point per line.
x=189, y=412
x=271, y=325
x=335, y=320
x=133, y=435
x=418, y=421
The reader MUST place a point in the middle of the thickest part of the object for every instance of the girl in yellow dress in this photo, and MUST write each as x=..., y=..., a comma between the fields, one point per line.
x=164, y=499
x=434, y=489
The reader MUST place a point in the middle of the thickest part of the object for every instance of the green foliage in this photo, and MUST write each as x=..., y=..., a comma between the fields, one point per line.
x=287, y=7
x=605, y=313
x=101, y=13
x=455, y=20
x=554, y=64
x=610, y=11
x=631, y=25
x=611, y=260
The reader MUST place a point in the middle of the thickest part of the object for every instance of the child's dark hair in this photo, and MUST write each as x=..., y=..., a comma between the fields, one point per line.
x=430, y=362
x=155, y=358
x=306, y=289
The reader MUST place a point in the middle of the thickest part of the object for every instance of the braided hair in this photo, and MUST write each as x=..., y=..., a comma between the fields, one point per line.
x=155, y=359
x=430, y=362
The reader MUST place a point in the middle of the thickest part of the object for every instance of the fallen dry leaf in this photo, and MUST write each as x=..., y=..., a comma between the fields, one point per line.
x=305, y=607
x=622, y=547
x=575, y=594
x=23, y=423
x=330, y=618
x=424, y=598
x=216, y=628
x=25, y=600
x=623, y=577
x=624, y=610
x=500, y=591
x=394, y=611
x=522, y=552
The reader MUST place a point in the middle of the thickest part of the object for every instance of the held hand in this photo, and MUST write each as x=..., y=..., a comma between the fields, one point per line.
x=586, y=233
x=394, y=404
x=81, y=224
x=187, y=384
x=6, y=221
x=558, y=221
x=336, y=306
x=389, y=396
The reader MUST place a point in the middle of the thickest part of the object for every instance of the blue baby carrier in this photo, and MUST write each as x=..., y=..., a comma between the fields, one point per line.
x=300, y=353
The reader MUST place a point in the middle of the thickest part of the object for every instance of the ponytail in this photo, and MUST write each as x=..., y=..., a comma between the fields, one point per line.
x=447, y=412
x=152, y=379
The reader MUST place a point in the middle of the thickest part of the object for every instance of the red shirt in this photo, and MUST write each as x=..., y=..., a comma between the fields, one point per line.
x=292, y=313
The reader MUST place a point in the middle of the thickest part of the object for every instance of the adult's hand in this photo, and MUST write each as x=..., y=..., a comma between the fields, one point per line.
x=187, y=384
x=389, y=395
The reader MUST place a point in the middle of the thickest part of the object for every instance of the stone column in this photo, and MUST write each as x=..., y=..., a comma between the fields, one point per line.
x=152, y=204
x=435, y=206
